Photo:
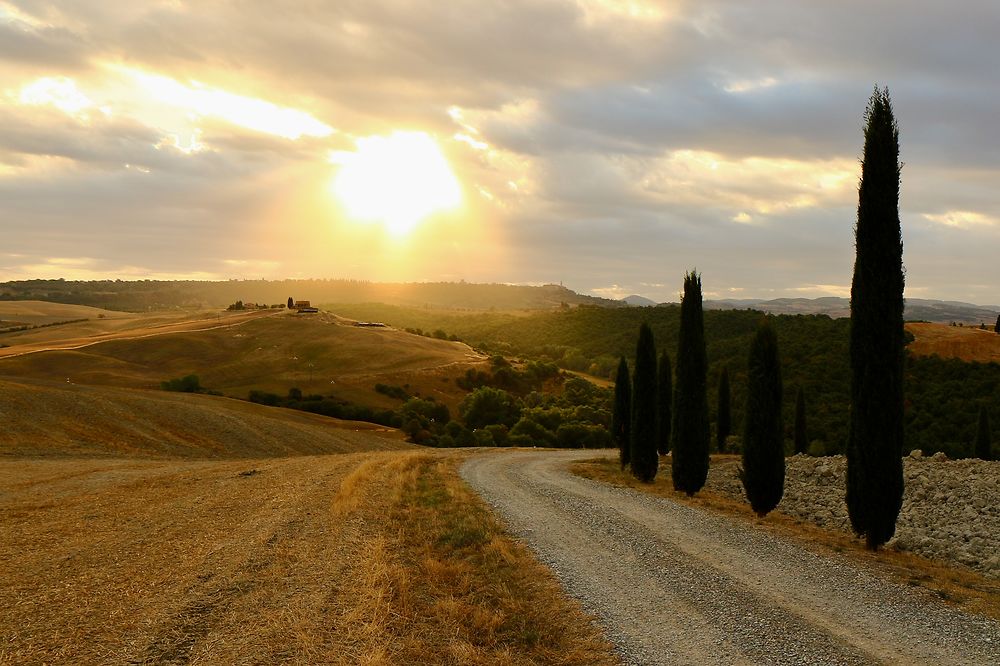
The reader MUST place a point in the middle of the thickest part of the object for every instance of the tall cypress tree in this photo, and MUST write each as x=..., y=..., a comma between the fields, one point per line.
x=984, y=444
x=621, y=418
x=644, y=435
x=664, y=396
x=801, y=441
x=763, y=472
x=996, y=327
x=722, y=419
x=875, y=435
x=690, y=435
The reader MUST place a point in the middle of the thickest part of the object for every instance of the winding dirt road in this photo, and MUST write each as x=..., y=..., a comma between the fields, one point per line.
x=673, y=584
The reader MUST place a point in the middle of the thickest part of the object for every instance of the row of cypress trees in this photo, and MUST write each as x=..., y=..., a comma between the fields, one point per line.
x=652, y=415
x=877, y=351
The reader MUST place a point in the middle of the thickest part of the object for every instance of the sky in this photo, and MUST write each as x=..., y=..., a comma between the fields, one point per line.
x=607, y=145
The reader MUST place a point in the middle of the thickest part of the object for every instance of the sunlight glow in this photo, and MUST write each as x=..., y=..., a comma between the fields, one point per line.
x=251, y=113
x=57, y=91
x=398, y=180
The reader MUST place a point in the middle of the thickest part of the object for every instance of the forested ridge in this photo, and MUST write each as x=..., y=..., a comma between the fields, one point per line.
x=943, y=397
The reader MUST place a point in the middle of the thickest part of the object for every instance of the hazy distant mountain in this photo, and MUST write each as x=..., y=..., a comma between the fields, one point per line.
x=916, y=308
x=638, y=301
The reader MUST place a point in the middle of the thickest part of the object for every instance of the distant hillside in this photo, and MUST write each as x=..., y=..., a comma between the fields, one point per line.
x=140, y=296
x=917, y=309
x=36, y=313
x=638, y=301
x=943, y=394
x=274, y=351
x=968, y=343
x=55, y=419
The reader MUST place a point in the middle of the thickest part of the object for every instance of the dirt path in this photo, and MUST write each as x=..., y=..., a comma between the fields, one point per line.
x=673, y=584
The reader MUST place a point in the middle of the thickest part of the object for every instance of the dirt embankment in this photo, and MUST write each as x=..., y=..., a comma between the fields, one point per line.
x=951, y=508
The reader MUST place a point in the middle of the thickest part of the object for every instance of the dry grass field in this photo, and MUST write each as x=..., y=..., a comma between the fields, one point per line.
x=962, y=342
x=53, y=419
x=34, y=313
x=143, y=526
x=234, y=353
x=366, y=558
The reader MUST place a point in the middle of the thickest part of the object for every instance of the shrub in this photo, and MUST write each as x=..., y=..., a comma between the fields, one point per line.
x=185, y=384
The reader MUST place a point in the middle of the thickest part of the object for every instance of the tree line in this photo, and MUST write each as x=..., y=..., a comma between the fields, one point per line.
x=649, y=404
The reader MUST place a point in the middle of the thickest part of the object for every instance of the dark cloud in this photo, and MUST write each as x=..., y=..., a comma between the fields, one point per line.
x=42, y=47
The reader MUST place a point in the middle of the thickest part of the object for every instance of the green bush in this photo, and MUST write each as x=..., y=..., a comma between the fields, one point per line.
x=185, y=384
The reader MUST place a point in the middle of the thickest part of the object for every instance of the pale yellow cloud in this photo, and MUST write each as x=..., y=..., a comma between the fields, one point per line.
x=842, y=291
x=88, y=268
x=752, y=187
x=962, y=219
x=610, y=11
x=247, y=112
x=749, y=85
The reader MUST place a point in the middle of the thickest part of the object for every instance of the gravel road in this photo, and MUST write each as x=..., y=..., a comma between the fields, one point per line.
x=674, y=584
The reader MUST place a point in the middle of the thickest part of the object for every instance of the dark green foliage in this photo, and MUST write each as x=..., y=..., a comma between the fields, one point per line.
x=291, y=303
x=690, y=437
x=664, y=398
x=814, y=347
x=996, y=327
x=327, y=406
x=294, y=393
x=763, y=472
x=643, y=435
x=621, y=417
x=397, y=392
x=875, y=445
x=185, y=384
x=487, y=405
x=984, y=443
x=722, y=420
x=801, y=440
x=943, y=397
x=582, y=435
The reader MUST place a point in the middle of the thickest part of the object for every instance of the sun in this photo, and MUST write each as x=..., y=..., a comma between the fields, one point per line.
x=397, y=180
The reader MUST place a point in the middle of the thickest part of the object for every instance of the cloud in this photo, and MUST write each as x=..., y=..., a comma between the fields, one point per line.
x=962, y=219
x=597, y=142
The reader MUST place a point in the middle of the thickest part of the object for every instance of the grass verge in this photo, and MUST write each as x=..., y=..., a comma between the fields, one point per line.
x=440, y=582
x=960, y=587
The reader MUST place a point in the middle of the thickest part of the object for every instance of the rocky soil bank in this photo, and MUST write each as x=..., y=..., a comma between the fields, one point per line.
x=951, y=508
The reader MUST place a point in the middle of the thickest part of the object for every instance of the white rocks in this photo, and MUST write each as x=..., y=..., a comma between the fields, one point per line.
x=951, y=508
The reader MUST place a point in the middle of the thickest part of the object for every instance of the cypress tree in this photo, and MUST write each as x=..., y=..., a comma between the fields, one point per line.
x=621, y=418
x=664, y=395
x=875, y=434
x=984, y=445
x=291, y=303
x=996, y=327
x=722, y=420
x=644, y=435
x=690, y=435
x=801, y=441
x=763, y=472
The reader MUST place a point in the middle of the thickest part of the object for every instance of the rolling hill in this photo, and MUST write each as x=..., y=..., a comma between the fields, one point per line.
x=50, y=419
x=967, y=343
x=269, y=351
